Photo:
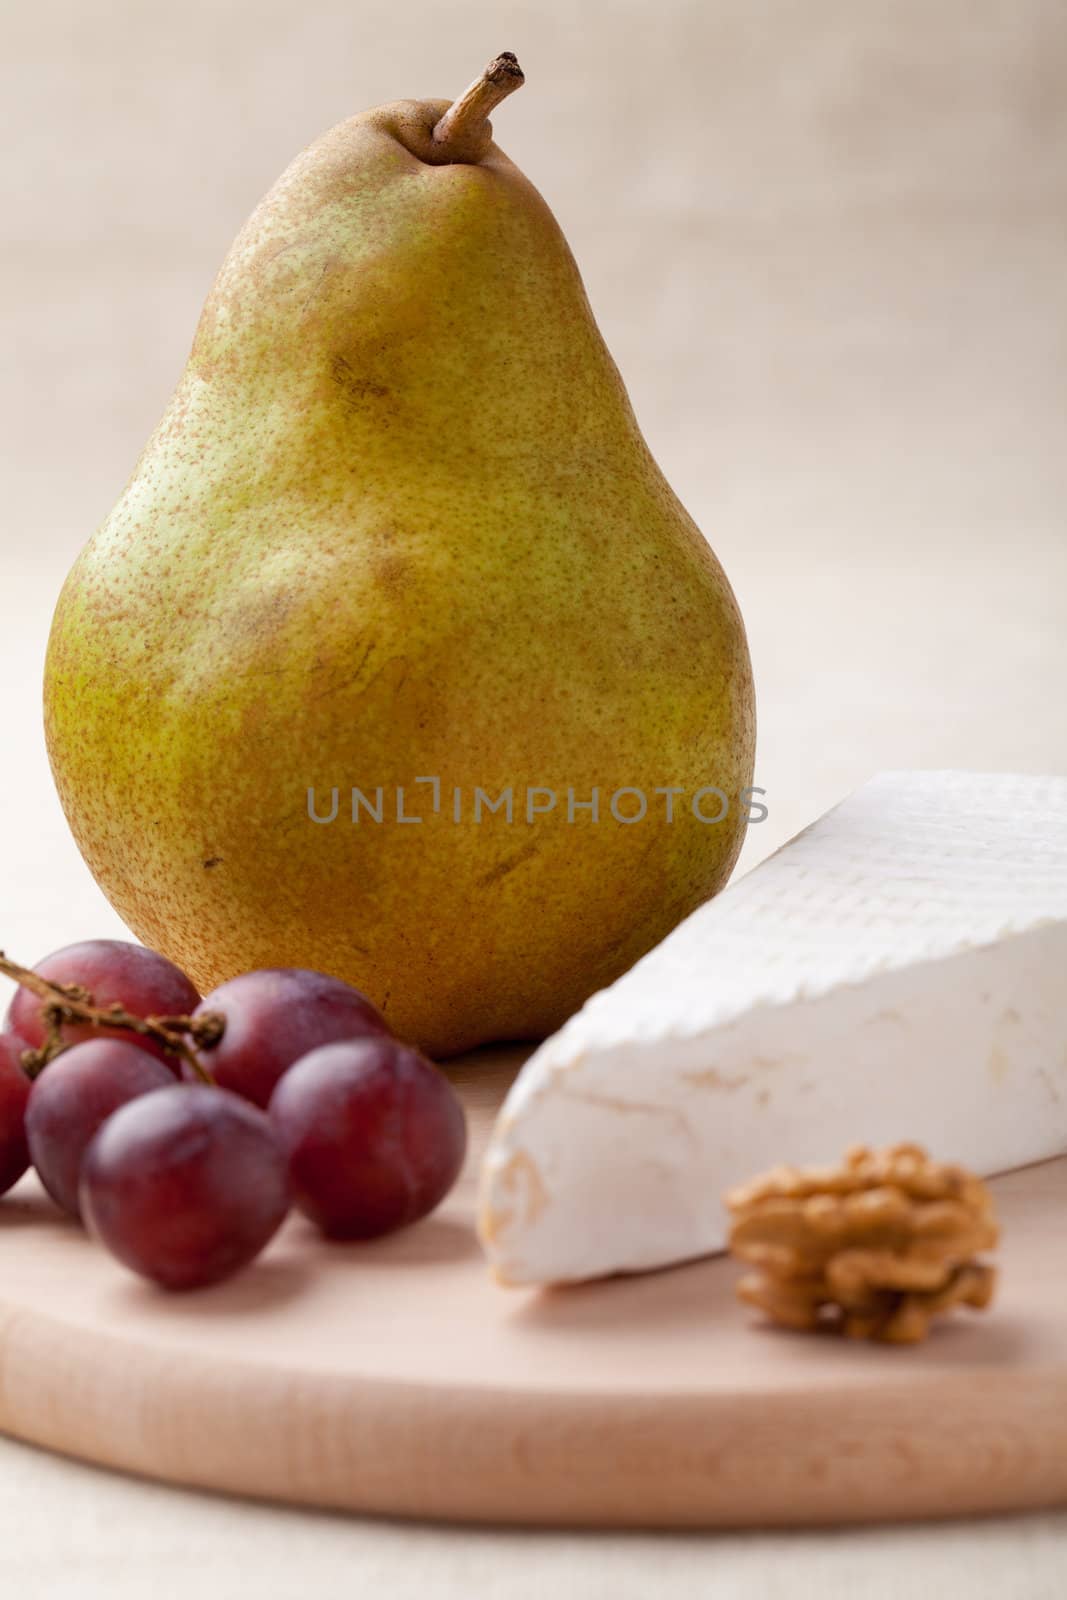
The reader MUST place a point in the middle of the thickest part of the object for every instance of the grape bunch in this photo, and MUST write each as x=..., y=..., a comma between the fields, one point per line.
x=182, y=1130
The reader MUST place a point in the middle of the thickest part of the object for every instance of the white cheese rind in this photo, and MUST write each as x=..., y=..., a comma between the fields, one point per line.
x=897, y=971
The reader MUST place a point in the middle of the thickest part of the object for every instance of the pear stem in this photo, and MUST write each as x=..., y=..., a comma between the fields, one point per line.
x=467, y=117
x=71, y=1003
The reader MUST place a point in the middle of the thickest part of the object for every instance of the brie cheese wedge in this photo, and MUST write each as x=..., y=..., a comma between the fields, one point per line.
x=898, y=971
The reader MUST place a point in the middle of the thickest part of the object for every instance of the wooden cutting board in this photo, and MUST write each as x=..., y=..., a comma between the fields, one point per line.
x=396, y=1377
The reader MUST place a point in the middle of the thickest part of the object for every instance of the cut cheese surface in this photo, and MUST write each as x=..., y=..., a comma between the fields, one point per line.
x=898, y=971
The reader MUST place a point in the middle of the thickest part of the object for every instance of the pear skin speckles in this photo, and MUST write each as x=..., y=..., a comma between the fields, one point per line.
x=398, y=521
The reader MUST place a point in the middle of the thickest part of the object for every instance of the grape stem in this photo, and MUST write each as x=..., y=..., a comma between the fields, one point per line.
x=69, y=1002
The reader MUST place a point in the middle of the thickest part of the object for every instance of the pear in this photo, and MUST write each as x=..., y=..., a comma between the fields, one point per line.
x=398, y=524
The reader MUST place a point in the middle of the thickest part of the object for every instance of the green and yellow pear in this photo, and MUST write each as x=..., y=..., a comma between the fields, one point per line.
x=398, y=524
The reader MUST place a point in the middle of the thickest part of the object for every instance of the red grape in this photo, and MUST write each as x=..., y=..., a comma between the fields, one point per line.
x=73, y=1097
x=147, y=984
x=375, y=1136
x=185, y=1186
x=275, y=1016
x=14, y=1093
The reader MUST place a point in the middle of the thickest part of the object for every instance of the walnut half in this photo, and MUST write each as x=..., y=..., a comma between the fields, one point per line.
x=873, y=1248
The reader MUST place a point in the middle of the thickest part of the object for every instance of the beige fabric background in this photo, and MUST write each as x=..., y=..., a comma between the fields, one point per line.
x=827, y=243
